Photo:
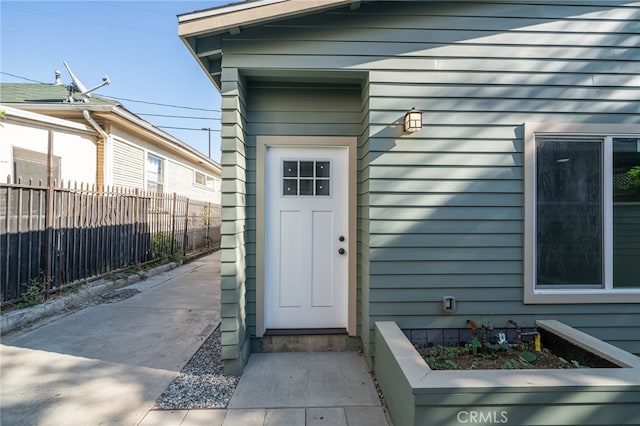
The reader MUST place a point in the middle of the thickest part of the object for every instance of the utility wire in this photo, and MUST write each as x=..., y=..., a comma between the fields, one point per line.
x=177, y=116
x=84, y=21
x=129, y=100
x=187, y=128
x=159, y=104
x=21, y=77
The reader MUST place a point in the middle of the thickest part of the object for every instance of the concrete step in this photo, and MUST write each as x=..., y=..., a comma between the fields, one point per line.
x=285, y=342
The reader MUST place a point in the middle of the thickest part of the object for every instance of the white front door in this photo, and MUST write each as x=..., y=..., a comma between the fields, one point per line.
x=306, y=231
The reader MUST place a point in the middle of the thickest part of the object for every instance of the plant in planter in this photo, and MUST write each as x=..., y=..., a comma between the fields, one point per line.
x=418, y=395
x=488, y=349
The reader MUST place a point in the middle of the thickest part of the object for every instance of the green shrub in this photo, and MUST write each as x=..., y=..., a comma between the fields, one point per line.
x=34, y=293
x=161, y=246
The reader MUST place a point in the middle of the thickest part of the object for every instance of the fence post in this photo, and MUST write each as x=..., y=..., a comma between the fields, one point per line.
x=7, y=229
x=186, y=229
x=49, y=216
x=209, y=211
x=136, y=229
x=173, y=223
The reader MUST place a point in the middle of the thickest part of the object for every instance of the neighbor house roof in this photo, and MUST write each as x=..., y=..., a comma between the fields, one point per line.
x=25, y=93
x=49, y=99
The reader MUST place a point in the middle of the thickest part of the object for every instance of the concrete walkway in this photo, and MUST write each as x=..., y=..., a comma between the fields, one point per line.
x=292, y=389
x=107, y=364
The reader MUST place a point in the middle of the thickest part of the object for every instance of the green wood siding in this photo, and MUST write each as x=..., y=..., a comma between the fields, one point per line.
x=235, y=343
x=440, y=212
x=365, y=326
x=303, y=110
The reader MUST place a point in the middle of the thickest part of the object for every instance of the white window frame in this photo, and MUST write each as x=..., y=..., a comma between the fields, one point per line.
x=207, y=178
x=608, y=294
x=164, y=171
x=20, y=154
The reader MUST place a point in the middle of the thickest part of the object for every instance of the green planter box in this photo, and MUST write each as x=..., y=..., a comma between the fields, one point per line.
x=417, y=395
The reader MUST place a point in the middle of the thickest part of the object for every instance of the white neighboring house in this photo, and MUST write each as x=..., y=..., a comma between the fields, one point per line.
x=24, y=141
x=98, y=142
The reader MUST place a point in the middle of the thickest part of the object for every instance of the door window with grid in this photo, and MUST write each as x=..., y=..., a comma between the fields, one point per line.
x=306, y=178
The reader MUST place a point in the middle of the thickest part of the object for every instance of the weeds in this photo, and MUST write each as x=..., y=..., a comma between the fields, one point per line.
x=164, y=247
x=161, y=245
x=442, y=357
x=34, y=292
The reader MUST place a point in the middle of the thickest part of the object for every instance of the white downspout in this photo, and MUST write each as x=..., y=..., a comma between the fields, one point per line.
x=106, y=144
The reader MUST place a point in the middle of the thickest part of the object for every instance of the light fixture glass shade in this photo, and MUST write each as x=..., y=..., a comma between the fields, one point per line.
x=413, y=121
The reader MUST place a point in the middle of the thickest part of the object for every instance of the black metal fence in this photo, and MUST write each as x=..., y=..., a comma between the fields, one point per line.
x=51, y=237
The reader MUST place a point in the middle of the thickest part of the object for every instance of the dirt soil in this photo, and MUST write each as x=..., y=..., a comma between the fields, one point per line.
x=522, y=357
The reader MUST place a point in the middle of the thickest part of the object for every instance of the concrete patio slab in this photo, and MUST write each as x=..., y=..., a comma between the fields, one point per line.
x=285, y=417
x=326, y=417
x=247, y=417
x=318, y=379
x=165, y=417
x=366, y=416
x=316, y=416
x=203, y=418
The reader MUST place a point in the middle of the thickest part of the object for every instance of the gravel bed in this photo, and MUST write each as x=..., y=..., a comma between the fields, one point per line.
x=201, y=383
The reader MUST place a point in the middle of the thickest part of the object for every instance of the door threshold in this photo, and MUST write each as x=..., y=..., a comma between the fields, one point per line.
x=304, y=331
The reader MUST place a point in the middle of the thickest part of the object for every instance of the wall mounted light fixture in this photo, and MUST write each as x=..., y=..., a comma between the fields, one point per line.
x=413, y=120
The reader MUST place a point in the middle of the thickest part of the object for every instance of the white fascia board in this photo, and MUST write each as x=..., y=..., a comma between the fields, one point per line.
x=233, y=7
x=44, y=119
x=226, y=18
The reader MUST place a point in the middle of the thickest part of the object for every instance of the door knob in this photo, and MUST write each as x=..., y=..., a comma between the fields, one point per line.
x=342, y=251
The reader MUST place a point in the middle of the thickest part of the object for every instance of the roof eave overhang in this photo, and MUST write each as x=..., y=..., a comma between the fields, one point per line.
x=210, y=62
x=235, y=16
x=33, y=118
x=213, y=23
x=60, y=110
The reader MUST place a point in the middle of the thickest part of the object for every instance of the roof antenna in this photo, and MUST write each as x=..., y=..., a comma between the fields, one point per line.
x=77, y=86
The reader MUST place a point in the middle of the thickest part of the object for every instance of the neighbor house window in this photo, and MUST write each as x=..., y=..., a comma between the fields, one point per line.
x=155, y=173
x=204, y=180
x=31, y=166
x=583, y=193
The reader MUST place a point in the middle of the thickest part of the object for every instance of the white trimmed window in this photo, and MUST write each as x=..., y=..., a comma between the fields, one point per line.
x=155, y=173
x=582, y=214
x=31, y=166
x=202, y=179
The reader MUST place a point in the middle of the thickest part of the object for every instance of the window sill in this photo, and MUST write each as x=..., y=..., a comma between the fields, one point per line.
x=582, y=296
x=208, y=188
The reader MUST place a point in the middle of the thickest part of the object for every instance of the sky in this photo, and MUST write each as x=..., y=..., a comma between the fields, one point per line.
x=134, y=43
